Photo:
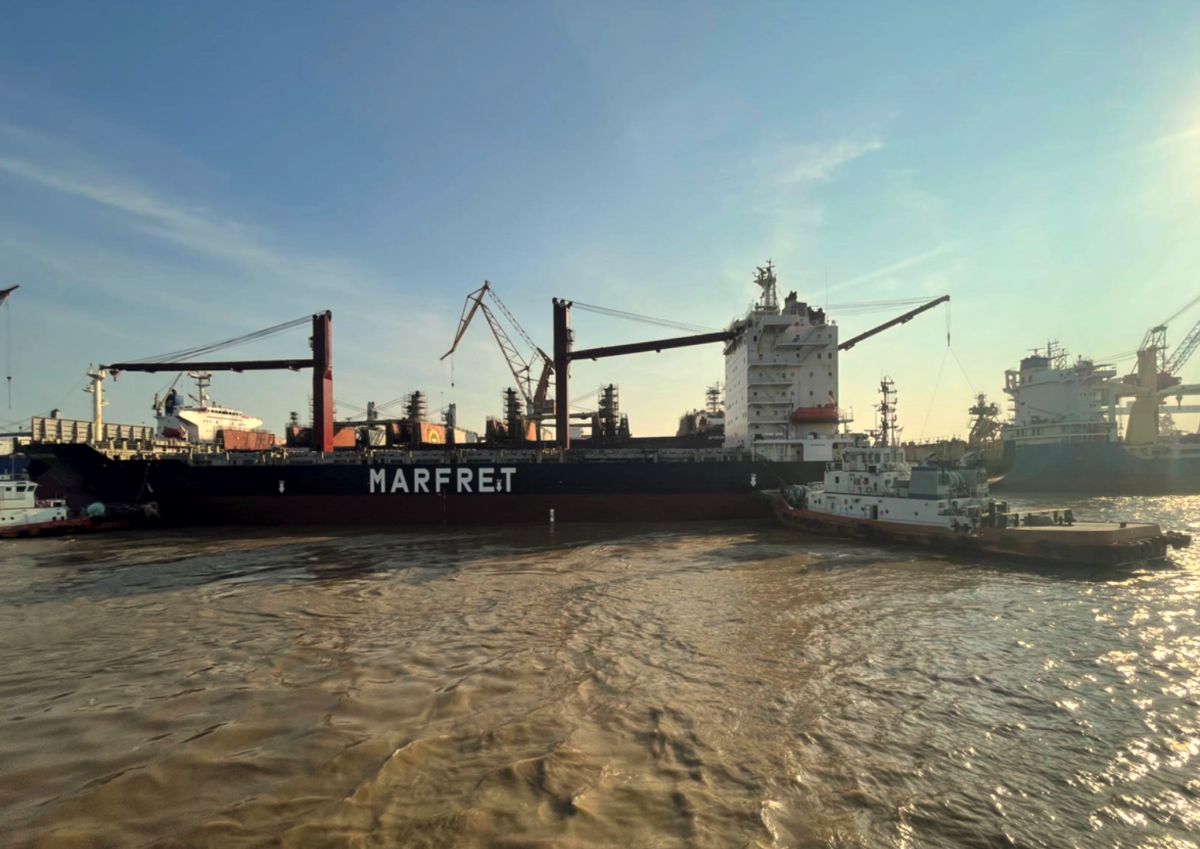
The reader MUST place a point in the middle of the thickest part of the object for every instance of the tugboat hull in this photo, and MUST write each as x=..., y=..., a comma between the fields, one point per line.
x=1080, y=543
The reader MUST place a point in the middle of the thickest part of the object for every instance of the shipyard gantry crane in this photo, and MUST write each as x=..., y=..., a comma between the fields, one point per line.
x=537, y=405
x=1156, y=378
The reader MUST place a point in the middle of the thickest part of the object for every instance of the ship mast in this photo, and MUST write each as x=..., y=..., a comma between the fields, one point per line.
x=888, y=429
x=97, y=392
x=203, y=381
x=765, y=278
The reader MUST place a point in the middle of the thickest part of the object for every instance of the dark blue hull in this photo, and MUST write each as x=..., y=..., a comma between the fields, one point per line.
x=1099, y=468
x=354, y=491
x=13, y=464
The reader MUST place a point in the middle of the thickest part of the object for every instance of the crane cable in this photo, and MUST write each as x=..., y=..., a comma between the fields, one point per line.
x=188, y=353
x=8, y=370
x=949, y=350
x=631, y=316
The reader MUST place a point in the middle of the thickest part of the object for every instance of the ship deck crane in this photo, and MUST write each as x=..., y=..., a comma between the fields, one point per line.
x=321, y=362
x=522, y=371
x=564, y=355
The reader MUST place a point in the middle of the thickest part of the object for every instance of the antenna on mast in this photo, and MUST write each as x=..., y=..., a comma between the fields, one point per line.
x=765, y=278
x=888, y=429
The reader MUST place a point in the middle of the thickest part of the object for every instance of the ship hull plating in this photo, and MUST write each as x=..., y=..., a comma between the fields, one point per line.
x=1099, y=468
x=349, y=492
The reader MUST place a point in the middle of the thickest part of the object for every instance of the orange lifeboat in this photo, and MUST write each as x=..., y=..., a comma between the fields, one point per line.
x=824, y=414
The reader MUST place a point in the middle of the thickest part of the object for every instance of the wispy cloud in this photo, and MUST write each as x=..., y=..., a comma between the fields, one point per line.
x=222, y=259
x=789, y=178
x=820, y=161
x=151, y=213
x=895, y=267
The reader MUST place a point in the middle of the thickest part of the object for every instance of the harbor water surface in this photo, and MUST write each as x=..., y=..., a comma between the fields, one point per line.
x=683, y=686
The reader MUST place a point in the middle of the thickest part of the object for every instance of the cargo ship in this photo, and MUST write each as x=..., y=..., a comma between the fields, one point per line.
x=1066, y=436
x=781, y=419
x=872, y=493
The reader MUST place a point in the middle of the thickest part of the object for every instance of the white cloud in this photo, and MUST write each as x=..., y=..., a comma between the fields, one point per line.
x=892, y=268
x=818, y=162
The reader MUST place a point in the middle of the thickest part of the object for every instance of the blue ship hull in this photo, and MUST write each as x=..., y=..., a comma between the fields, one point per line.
x=13, y=464
x=1098, y=468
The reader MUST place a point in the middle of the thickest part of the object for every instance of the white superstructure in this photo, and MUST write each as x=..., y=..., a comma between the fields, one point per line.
x=1055, y=402
x=875, y=484
x=781, y=379
x=19, y=504
x=200, y=422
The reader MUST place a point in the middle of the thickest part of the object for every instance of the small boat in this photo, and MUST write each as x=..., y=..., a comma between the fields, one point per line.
x=22, y=514
x=872, y=493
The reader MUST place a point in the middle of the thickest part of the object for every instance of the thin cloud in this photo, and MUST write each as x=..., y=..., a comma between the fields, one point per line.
x=225, y=241
x=819, y=162
x=901, y=265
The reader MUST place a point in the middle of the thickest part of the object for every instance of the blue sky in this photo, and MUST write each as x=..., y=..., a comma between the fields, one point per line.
x=175, y=174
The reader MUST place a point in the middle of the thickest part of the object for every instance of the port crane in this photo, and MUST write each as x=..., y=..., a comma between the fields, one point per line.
x=537, y=405
x=1156, y=378
x=321, y=363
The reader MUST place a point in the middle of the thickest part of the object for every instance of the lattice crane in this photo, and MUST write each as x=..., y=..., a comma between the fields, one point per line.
x=522, y=370
x=1169, y=367
x=1183, y=351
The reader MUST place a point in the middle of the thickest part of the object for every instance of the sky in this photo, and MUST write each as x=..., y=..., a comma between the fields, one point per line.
x=174, y=174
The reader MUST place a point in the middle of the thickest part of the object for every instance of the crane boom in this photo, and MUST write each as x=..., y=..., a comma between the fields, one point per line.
x=522, y=371
x=1184, y=351
x=475, y=299
x=4, y=293
x=900, y=319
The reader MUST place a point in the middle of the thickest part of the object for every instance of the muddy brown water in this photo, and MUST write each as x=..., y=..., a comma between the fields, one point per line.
x=682, y=686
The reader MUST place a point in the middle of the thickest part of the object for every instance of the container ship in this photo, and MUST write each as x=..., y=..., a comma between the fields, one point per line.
x=781, y=426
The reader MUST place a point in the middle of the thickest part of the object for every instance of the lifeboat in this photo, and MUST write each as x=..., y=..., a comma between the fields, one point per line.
x=826, y=413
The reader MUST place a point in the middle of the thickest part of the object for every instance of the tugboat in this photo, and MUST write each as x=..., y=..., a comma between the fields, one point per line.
x=21, y=514
x=872, y=493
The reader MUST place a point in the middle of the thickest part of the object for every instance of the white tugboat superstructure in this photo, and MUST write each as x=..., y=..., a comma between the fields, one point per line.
x=19, y=504
x=876, y=484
